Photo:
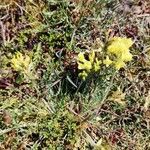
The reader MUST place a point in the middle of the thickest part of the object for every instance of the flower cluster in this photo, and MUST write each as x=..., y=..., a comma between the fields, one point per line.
x=92, y=64
x=118, y=49
x=20, y=62
x=117, y=55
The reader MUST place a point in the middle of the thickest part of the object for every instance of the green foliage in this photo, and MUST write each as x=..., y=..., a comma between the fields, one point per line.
x=60, y=129
x=32, y=117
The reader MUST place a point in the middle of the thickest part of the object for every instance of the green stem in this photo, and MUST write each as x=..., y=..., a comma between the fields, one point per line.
x=97, y=107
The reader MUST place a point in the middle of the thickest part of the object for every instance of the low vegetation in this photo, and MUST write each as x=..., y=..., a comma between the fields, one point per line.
x=75, y=75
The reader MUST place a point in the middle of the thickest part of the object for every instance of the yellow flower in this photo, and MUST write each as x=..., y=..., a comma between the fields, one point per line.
x=83, y=74
x=107, y=61
x=119, y=45
x=81, y=57
x=85, y=65
x=127, y=56
x=119, y=48
x=97, y=65
x=119, y=64
x=92, y=56
x=20, y=62
x=127, y=41
x=116, y=48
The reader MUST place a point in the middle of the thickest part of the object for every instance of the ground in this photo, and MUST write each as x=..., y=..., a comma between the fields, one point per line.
x=45, y=104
